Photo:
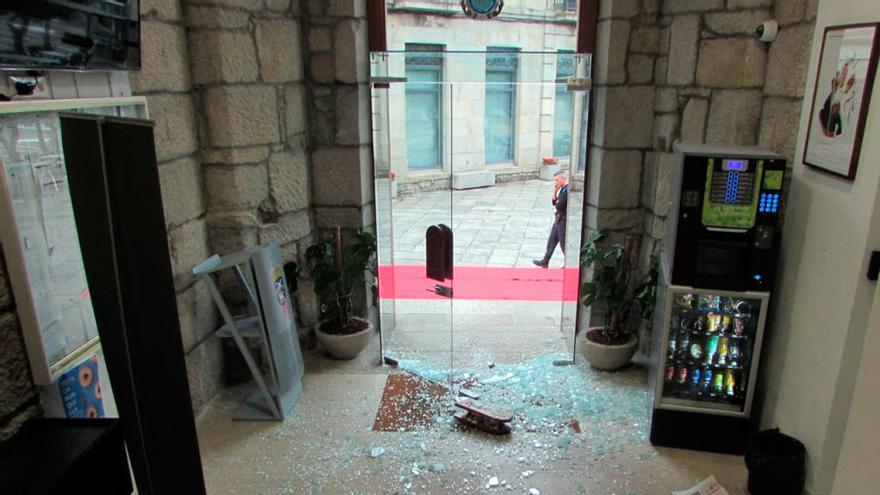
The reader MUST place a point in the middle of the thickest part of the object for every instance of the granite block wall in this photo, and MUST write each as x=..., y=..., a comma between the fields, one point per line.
x=687, y=71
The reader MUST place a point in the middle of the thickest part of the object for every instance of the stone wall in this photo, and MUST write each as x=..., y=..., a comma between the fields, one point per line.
x=721, y=85
x=224, y=82
x=686, y=71
x=166, y=82
x=19, y=397
x=339, y=114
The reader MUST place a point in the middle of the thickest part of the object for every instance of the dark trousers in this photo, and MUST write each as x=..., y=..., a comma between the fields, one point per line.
x=557, y=236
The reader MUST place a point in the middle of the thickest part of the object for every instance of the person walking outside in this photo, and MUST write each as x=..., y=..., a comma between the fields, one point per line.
x=557, y=232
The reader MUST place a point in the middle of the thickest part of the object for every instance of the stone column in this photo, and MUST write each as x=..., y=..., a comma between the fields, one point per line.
x=341, y=156
x=339, y=119
x=165, y=80
x=247, y=71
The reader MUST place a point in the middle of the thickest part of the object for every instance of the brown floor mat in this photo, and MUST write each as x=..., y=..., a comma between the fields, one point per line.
x=410, y=403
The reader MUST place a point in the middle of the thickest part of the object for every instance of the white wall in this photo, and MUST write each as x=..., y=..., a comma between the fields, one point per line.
x=860, y=453
x=823, y=299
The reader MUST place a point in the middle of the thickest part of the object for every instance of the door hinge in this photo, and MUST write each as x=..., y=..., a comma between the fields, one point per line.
x=384, y=82
x=578, y=84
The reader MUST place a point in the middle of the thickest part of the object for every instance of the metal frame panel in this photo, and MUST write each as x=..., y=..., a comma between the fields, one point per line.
x=44, y=372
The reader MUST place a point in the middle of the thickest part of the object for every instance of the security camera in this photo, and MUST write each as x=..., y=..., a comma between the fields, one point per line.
x=766, y=32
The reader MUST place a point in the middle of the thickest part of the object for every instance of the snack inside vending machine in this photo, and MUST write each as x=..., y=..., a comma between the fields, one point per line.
x=716, y=273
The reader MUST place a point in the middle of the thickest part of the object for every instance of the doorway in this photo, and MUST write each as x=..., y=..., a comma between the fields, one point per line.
x=493, y=115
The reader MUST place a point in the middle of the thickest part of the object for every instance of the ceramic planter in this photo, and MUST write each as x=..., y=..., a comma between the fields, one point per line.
x=607, y=357
x=345, y=346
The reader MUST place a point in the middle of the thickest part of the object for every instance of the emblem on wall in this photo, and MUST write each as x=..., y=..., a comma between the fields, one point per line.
x=482, y=9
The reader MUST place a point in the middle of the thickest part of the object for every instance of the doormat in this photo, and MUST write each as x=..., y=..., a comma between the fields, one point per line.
x=411, y=403
x=482, y=283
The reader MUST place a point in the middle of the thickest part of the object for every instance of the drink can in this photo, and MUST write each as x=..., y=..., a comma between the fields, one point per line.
x=714, y=322
x=739, y=325
x=696, y=350
x=706, y=384
x=735, y=353
x=681, y=375
x=695, y=377
x=725, y=323
x=711, y=348
x=723, y=350
x=670, y=373
x=672, y=343
x=730, y=383
x=707, y=380
x=684, y=341
x=718, y=382
x=700, y=323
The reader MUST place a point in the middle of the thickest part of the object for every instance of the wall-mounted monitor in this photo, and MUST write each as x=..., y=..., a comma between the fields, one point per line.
x=69, y=34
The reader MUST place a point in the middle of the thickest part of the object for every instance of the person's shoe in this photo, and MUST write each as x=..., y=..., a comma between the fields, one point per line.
x=541, y=263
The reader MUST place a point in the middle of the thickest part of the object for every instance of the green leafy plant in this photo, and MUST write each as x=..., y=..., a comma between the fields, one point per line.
x=336, y=271
x=609, y=287
x=646, y=292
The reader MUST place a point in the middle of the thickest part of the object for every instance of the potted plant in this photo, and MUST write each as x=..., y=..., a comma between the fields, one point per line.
x=336, y=272
x=549, y=166
x=611, y=345
x=646, y=295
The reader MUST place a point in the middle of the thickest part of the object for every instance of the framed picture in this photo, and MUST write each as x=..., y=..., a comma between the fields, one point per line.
x=841, y=95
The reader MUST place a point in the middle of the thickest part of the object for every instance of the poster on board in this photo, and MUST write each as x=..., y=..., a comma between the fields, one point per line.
x=841, y=96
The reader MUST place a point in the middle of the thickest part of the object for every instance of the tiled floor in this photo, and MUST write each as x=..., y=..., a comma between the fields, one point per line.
x=328, y=445
x=576, y=430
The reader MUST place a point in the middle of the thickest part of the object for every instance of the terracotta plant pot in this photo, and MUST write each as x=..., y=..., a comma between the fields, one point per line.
x=345, y=346
x=607, y=357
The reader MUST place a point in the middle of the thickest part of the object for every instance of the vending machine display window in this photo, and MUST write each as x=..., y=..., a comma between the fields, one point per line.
x=710, y=348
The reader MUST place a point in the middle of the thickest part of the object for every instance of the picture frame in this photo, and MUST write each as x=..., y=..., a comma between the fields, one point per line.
x=841, y=97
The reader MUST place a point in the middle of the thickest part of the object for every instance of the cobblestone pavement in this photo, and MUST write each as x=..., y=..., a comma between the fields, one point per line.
x=506, y=225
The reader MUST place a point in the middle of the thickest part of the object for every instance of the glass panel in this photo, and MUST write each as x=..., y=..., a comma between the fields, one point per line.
x=500, y=94
x=408, y=116
x=710, y=344
x=30, y=149
x=563, y=111
x=423, y=109
x=496, y=112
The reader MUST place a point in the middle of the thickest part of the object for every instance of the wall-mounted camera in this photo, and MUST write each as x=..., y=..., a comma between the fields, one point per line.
x=24, y=84
x=767, y=31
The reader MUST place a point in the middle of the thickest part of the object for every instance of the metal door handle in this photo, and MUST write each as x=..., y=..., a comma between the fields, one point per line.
x=874, y=266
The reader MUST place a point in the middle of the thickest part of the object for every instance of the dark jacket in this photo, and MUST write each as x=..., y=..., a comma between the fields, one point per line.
x=561, y=204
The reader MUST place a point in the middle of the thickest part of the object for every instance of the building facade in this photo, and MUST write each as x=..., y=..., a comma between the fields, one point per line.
x=472, y=99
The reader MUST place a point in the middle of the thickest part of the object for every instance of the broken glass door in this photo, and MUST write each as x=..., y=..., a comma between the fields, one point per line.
x=492, y=116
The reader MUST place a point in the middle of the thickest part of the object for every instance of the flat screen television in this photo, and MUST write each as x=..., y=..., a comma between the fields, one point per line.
x=69, y=34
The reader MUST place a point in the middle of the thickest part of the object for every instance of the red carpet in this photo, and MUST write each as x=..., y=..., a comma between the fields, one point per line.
x=481, y=283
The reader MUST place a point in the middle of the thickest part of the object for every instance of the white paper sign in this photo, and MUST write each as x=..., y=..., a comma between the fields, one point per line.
x=708, y=486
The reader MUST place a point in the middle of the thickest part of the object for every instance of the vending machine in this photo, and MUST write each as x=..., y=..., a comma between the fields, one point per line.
x=716, y=273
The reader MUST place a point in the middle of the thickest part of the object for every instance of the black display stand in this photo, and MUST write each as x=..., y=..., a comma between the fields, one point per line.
x=55, y=456
x=117, y=203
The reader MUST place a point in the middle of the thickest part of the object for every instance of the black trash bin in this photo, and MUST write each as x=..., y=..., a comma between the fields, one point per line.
x=776, y=464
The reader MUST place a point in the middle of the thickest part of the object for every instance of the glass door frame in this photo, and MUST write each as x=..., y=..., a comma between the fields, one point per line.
x=382, y=80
